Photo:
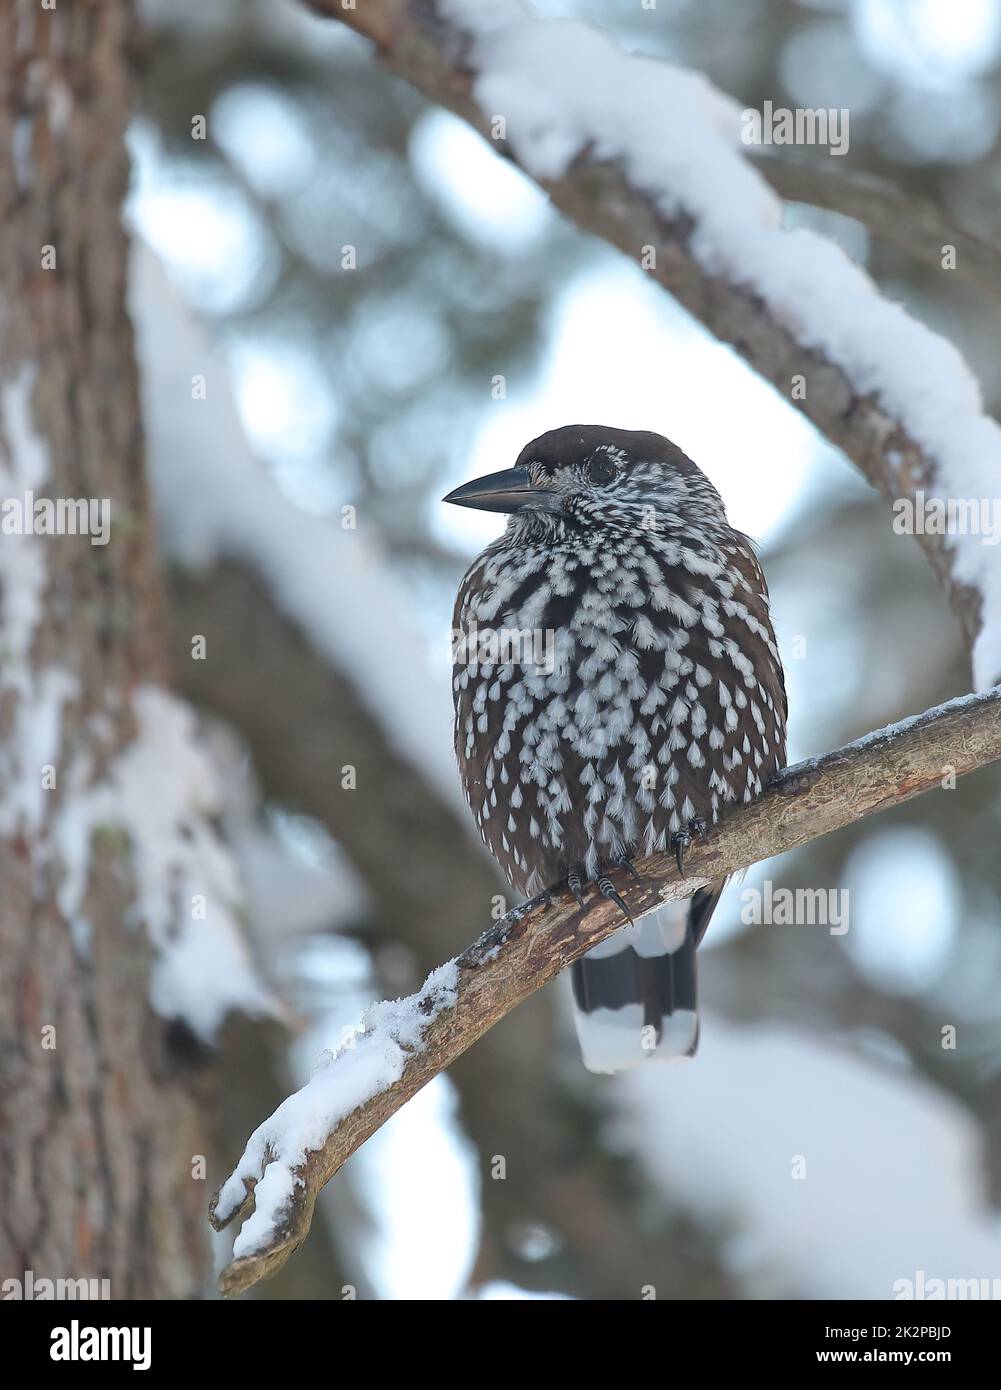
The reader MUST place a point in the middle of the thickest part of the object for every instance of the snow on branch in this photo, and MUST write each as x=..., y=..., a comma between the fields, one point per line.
x=399, y=1047
x=649, y=157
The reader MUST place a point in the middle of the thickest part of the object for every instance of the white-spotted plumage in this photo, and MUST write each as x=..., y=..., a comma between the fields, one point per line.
x=661, y=701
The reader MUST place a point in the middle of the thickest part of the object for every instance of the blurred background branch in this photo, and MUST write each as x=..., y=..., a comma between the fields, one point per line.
x=914, y=225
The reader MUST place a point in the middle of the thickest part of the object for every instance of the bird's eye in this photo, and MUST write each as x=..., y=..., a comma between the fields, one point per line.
x=601, y=470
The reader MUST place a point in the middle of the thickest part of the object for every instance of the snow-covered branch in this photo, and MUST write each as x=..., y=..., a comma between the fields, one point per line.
x=401, y=1046
x=649, y=157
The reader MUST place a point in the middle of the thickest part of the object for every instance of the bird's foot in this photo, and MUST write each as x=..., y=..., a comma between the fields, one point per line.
x=624, y=862
x=575, y=885
x=607, y=890
x=604, y=885
x=684, y=837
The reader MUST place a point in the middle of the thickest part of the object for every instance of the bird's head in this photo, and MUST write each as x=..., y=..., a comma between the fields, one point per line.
x=592, y=477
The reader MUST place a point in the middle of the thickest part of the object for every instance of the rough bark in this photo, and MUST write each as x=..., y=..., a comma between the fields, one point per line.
x=98, y=1125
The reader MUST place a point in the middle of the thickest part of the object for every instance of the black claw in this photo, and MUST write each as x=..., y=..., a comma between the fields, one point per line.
x=681, y=841
x=574, y=884
x=607, y=891
x=683, y=838
x=624, y=862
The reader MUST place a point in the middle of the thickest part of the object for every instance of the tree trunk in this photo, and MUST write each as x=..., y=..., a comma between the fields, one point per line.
x=98, y=1124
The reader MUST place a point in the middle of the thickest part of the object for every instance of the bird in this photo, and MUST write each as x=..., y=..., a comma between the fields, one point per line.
x=617, y=685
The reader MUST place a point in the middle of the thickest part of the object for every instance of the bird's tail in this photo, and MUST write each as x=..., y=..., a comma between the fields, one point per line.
x=635, y=997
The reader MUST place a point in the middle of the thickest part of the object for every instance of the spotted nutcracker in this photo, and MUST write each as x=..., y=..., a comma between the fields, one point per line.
x=617, y=685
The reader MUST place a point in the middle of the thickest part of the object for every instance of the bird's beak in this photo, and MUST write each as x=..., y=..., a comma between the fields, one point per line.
x=510, y=490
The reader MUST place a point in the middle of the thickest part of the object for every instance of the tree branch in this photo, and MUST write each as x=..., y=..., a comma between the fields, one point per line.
x=403, y=1046
x=419, y=41
x=917, y=226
